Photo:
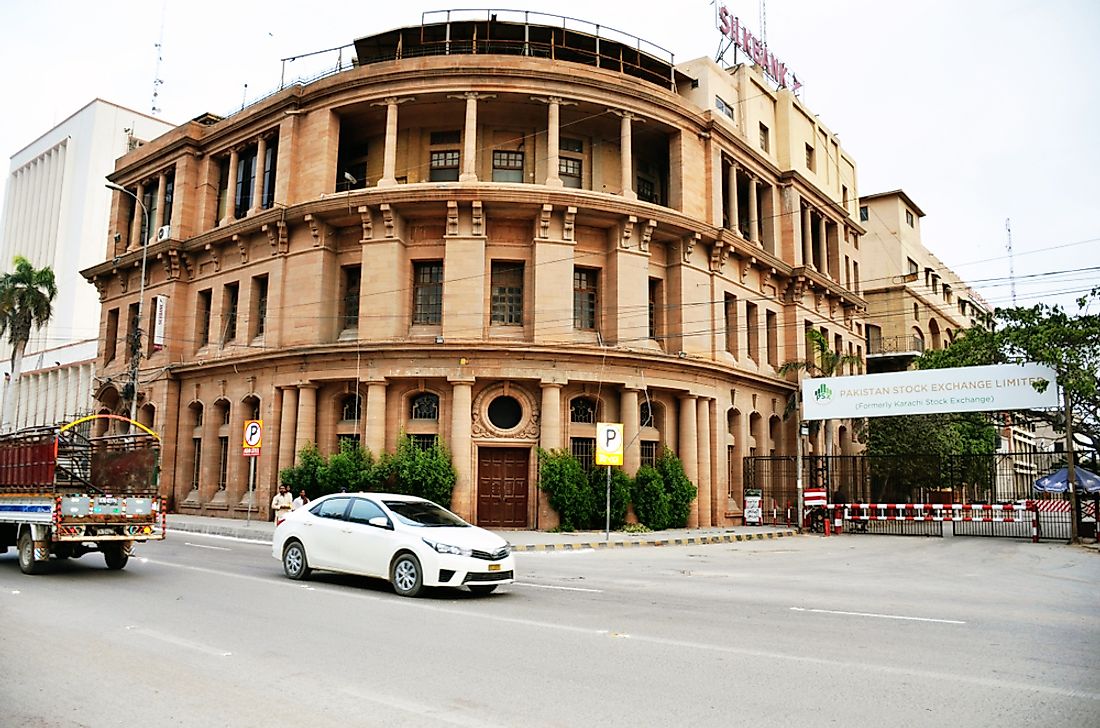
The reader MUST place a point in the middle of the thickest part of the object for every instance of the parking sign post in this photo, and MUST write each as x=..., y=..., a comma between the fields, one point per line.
x=609, y=451
x=251, y=442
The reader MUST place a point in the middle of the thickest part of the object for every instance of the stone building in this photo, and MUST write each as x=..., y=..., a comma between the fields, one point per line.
x=492, y=232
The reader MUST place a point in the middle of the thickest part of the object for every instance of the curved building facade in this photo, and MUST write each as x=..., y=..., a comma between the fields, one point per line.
x=494, y=242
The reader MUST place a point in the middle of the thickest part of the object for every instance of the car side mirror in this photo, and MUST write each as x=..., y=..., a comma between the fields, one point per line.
x=380, y=522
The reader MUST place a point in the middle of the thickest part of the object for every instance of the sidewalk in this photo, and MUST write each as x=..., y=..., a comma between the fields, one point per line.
x=520, y=540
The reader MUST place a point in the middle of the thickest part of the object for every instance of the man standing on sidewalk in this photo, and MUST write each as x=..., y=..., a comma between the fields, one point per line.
x=281, y=504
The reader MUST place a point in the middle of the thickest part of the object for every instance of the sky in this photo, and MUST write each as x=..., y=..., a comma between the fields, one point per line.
x=982, y=111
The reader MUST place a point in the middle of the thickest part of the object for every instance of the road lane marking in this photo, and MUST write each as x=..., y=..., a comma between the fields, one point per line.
x=562, y=588
x=204, y=546
x=177, y=641
x=877, y=616
x=239, y=539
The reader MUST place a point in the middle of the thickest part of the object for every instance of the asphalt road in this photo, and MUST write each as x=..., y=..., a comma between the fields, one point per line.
x=851, y=630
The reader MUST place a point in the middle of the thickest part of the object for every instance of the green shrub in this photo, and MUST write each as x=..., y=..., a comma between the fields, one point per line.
x=651, y=502
x=566, y=485
x=352, y=469
x=305, y=475
x=620, y=497
x=680, y=491
x=426, y=473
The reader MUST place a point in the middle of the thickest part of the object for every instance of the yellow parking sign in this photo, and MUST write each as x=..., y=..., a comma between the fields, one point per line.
x=609, y=443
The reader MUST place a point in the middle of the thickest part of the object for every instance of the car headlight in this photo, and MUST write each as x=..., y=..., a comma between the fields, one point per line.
x=444, y=548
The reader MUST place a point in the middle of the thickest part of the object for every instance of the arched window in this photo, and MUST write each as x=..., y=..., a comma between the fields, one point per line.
x=645, y=415
x=351, y=407
x=424, y=406
x=582, y=410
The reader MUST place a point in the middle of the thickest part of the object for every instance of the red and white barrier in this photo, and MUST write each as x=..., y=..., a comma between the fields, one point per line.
x=950, y=512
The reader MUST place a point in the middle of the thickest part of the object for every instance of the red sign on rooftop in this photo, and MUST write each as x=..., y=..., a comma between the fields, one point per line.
x=756, y=49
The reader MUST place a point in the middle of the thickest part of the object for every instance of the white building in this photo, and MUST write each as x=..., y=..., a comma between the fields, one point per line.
x=55, y=214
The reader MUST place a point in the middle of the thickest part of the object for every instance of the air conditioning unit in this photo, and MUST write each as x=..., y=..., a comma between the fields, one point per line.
x=164, y=232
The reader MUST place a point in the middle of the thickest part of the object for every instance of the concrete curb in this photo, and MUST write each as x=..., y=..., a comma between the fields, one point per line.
x=690, y=541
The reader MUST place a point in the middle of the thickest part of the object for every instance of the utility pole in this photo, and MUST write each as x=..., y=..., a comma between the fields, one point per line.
x=1070, y=474
x=136, y=344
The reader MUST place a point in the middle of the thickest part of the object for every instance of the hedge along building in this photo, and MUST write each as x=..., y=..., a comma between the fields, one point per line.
x=493, y=233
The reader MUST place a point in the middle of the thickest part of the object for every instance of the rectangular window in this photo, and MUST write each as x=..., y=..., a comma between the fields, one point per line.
x=585, y=299
x=196, y=464
x=855, y=276
x=764, y=141
x=232, y=297
x=428, y=292
x=844, y=196
x=848, y=272
x=507, y=294
x=864, y=214
x=772, y=327
x=723, y=107
x=245, y=182
x=223, y=191
x=349, y=308
x=569, y=170
x=810, y=157
x=656, y=308
x=647, y=191
x=838, y=345
x=566, y=144
x=731, y=324
x=271, y=157
x=507, y=166
x=423, y=442
x=583, y=450
x=150, y=201
x=223, y=462
x=133, y=326
x=259, y=305
x=916, y=312
x=649, y=452
x=169, y=197
x=752, y=328
x=914, y=269
x=110, y=344
x=443, y=166
x=202, y=312
x=909, y=218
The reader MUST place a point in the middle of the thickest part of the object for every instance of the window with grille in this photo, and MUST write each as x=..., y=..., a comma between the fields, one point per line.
x=347, y=441
x=723, y=107
x=259, y=299
x=424, y=407
x=645, y=415
x=428, y=292
x=443, y=166
x=647, y=191
x=423, y=442
x=232, y=298
x=570, y=171
x=245, y=184
x=567, y=144
x=584, y=451
x=649, y=452
x=205, y=300
x=196, y=467
x=584, y=298
x=351, y=408
x=507, y=166
x=582, y=410
x=349, y=314
x=223, y=462
x=271, y=157
x=507, y=294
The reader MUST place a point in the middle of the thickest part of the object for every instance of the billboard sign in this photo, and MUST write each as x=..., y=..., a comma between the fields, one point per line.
x=962, y=389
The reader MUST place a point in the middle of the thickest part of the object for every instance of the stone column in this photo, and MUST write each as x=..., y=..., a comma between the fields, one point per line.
x=823, y=246
x=688, y=450
x=731, y=201
x=703, y=432
x=463, y=498
x=469, y=146
x=632, y=454
x=139, y=217
x=754, y=214
x=307, y=416
x=258, y=196
x=553, y=123
x=549, y=439
x=231, y=191
x=807, y=239
x=376, y=418
x=389, y=158
x=162, y=191
x=288, y=423
x=626, y=156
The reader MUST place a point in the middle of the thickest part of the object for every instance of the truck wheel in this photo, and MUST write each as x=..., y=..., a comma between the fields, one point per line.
x=27, y=564
x=116, y=556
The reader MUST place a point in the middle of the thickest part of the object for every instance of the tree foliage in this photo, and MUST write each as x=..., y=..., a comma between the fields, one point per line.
x=822, y=362
x=566, y=485
x=26, y=302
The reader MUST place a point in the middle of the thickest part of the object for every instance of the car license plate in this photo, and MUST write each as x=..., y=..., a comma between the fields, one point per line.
x=494, y=567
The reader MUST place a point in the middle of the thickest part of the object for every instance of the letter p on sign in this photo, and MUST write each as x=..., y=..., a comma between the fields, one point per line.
x=609, y=443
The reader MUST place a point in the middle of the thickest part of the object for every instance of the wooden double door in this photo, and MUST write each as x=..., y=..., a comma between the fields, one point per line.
x=502, y=483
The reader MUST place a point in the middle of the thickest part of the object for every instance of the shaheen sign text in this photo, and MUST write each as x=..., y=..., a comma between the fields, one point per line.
x=963, y=389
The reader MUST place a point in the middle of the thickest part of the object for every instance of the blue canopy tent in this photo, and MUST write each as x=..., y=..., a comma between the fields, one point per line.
x=1058, y=482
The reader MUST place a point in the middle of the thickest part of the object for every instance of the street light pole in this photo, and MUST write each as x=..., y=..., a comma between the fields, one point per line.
x=135, y=356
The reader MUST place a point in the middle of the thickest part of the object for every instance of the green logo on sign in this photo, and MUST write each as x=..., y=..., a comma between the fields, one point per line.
x=823, y=394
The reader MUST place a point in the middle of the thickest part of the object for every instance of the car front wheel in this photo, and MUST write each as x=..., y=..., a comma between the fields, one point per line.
x=405, y=575
x=295, y=565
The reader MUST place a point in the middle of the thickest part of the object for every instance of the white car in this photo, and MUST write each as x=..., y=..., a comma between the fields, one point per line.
x=409, y=541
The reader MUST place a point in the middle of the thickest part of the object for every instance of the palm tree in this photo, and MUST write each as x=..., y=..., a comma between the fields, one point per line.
x=822, y=362
x=26, y=302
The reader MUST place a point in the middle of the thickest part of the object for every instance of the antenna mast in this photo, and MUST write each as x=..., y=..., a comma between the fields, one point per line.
x=1011, y=264
x=159, y=45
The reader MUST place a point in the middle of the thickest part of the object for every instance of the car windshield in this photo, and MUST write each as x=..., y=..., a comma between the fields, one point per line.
x=423, y=513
